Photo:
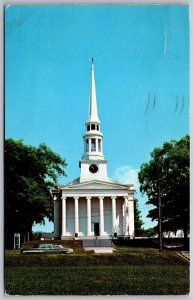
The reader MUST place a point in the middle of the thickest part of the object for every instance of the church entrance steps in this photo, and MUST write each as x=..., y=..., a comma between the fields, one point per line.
x=104, y=245
x=100, y=250
x=103, y=250
x=96, y=243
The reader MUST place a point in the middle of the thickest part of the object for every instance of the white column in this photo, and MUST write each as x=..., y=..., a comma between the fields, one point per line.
x=113, y=214
x=63, y=216
x=123, y=214
x=56, y=217
x=88, y=216
x=126, y=232
x=97, y=148
x=76, y=216
x=101, y=215
x=89, y=145
x=131, y=218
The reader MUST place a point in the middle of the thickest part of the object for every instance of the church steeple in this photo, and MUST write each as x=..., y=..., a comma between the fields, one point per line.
x=92, y=115
x=93, y=163
x=93, y=137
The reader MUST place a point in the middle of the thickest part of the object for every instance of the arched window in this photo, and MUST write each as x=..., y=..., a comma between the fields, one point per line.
x=93, y=145
x=87, y=145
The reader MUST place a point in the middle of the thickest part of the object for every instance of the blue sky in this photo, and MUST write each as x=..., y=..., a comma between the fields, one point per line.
x=142, y=80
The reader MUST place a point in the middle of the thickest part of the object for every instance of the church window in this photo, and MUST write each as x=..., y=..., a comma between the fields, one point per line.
x=92, y=126
x=87, y=145
x=93, y=145
x=88, y=127
x=97, y=127
x=99, y=145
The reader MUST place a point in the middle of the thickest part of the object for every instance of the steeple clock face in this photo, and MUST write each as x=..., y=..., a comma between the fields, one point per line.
x=93, y=168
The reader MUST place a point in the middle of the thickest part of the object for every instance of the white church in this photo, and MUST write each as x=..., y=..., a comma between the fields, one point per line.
x=93, y=205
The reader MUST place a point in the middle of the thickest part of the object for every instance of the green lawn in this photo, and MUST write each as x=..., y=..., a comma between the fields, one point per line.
x=129, y=271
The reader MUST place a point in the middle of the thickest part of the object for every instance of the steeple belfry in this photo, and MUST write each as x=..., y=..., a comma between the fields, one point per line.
x=93, y=164
x=92, y=115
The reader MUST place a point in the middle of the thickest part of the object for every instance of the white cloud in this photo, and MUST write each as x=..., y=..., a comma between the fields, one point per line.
x=127, y=174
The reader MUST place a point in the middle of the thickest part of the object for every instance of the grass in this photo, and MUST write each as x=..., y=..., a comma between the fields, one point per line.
x=128, y=271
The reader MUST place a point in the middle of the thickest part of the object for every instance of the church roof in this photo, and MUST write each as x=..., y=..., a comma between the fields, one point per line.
x=95, y=184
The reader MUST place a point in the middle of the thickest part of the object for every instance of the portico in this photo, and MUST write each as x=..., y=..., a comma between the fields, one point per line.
x=93, y=204
x=85, y=210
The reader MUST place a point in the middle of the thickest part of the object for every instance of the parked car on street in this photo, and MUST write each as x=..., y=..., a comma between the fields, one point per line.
x=47, y=248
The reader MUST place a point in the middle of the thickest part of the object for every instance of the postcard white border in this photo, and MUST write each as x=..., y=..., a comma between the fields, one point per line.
x=99, y=2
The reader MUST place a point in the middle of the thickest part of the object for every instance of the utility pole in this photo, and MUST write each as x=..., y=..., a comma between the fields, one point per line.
x=159, y=219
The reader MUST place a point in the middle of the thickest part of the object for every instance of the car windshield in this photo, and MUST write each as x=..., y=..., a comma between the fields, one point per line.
x=47, y=246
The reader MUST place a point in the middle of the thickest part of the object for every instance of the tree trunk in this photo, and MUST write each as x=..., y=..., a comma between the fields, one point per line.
x=185, y=232
x=159, y=220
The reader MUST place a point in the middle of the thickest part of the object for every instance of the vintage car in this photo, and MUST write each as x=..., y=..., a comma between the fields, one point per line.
x=47, y=248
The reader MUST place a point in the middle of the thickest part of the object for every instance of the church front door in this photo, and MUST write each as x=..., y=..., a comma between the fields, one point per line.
x=96, y=229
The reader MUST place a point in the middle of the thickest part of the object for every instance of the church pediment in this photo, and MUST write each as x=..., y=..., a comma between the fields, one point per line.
x=96, y=185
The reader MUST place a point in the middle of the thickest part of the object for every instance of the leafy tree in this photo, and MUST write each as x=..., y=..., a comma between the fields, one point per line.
x=30, y=175
x=138, y=221
x=37, y=235
x=149, y=232
x=168, y=167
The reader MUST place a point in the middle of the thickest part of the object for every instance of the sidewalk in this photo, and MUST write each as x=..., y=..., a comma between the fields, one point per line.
x=185, y=255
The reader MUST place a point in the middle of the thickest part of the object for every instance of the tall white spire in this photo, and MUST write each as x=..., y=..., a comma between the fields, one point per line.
x=92, y=114
x=93, y=165
x=93, y=136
